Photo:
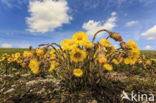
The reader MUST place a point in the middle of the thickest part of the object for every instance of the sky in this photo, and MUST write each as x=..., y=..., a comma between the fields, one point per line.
x=33, y=22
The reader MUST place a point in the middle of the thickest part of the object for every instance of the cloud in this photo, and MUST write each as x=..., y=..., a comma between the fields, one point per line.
x=14, y=3
x=6, y=45
x=150, y=33
x=131, y=23
x=7, y=3
x=92, y=26
x=148, y=47
x=47, y=15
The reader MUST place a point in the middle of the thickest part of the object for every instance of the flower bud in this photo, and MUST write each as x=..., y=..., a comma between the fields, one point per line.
x=123, y=45
x=23, y=65
x=30, y=47
x=116, y=37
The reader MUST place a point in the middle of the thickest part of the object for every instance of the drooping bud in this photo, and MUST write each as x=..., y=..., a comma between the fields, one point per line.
x=23, y=65
x=30, y=47
x=116, y=36
x=123, y=45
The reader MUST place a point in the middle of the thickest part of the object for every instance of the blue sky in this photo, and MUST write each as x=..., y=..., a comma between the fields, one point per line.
x=32, y=22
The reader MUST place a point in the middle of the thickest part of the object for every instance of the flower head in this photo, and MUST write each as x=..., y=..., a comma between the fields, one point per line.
x=102, y=59
x=77, y=55
x=39, y=52
x=88, y=44
x=68, y=44
x=115, y=61
x=105, y=43
x=34, y=66
x=132, y=44
x=2, y=58
x=108, y=67
x=28, y=54
x=77, y=72
x=80, y=37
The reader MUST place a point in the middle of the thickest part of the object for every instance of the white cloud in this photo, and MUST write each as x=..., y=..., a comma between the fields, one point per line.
x=148, y=47
x=92, y=26
x=6, y=45
x=150, y=33
x=47, y=15
x=131, y=23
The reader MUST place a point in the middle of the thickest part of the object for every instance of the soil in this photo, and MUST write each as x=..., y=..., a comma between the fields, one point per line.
x=26, y=88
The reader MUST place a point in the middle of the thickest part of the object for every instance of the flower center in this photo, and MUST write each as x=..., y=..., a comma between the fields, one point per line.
x=79, y=38
x=77, y=55
x=71, y=43
x=78, y=71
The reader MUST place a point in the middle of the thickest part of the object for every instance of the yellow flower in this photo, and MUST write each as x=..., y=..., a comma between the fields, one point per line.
x=115, y=61
x=132, y=44
x=10, y=59
x=2, y=58
x=28, y=54
x=19, y=61
x=68, y=44
x=77, y=72
x=120, y=59
x=140, y=61
x=34, y=66
x=143, y=56
x=51, y=67
x=80, y=37
x=132, y=61
x=77, y=55
x=88, y=44
x=153, y=59
x=108, y=67
x=5, y=55
x=39, y=52
x=52, y=51
x=105, y=43
x=127, y=61
x=148, y=62
x=133, y=55
x=17, y=55
x=102, y=59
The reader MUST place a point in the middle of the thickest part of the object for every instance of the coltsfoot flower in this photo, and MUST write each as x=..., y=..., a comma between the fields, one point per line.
x=80, y=37
x=102, y=59
x=39, y=52
x=2, y=58
x=132, y=44
x=148, y=62
x=115, y=61
x=108, y=67
x=153, y=60
x=51, y=67
x=34, y=66
x=77, y=55
x=88, y=44
x=28, y=54
x=105, y=43
x=77, y=72
x=68, y=44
